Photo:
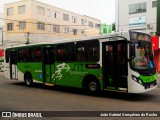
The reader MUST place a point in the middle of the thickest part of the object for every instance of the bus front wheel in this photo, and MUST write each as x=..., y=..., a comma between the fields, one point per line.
x=28, y=79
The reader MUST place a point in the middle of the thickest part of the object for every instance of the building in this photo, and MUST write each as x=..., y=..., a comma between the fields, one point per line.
x=105, y=29
x=36, y=18
x=139, y=15
x=1, y=28
x=1, y=20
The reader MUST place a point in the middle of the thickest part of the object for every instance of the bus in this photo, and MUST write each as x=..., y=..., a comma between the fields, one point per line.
x=121, y=62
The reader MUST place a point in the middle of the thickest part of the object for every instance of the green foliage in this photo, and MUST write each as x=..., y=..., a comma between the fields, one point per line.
x=113, y=27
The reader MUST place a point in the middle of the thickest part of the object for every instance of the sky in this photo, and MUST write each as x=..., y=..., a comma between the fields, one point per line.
x=103, y=10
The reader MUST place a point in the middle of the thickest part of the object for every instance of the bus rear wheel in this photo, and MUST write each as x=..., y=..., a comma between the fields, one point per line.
x=28, y=79
x=92, y=88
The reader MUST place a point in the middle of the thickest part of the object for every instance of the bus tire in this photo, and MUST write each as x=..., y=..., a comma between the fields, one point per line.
x=92, y=87
x=28, y=79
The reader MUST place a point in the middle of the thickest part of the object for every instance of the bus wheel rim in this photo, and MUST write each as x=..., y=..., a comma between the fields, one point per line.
x=28, y=81
x=93, y=86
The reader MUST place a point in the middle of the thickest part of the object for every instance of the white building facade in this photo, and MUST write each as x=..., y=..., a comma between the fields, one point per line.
x=1, y=28
x=138, y=15
x=1, y=20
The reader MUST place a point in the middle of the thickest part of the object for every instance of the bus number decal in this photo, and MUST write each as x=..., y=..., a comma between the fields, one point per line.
x=79, y=66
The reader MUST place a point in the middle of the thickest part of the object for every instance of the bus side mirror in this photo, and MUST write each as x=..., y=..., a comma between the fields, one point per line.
x=132, y=51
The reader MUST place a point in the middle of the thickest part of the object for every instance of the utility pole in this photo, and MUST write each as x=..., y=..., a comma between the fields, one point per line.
x=2, y=37
x=2, y=34
x=28, y=34
x=118, y=17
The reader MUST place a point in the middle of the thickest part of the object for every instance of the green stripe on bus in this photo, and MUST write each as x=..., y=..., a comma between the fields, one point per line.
x=148, y=79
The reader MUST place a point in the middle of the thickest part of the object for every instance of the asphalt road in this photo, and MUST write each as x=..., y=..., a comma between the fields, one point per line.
x=15, y=96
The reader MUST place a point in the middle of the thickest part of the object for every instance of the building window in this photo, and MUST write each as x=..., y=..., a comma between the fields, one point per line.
x=65, y=17
x=82, y=32
x=56, y=15
x=40, y=26
x=73, y=19
x=22, y=25
x=66, y=30
x=48, y=12
x=56, y=28
x=137, y=8
x=21, y=9
x=82, y=21
x=90, y=24
x=10, y=26
x=49, y=28
x=97, y=26
x=74, y=31
x=154, y=4
x=10, y=11
x=40, y=11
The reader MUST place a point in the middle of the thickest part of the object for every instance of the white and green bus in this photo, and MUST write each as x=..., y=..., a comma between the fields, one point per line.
x=116, y=62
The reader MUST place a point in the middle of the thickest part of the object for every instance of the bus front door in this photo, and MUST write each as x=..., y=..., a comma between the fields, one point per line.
x=48, y=65
x=13, y=65
x=115, y=65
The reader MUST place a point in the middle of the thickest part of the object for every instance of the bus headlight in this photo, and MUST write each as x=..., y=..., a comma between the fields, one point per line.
x=140, y=81
x=137, y=79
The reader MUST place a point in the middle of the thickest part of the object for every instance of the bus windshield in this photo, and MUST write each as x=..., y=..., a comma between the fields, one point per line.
x=141, y=50
x=143, y=56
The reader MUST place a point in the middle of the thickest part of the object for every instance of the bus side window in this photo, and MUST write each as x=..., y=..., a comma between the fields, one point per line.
x=66, y=52
x=88, y=51
x=23, y=55
x=52, y=56
x=38, y=55
x=60, y=55
x=35, y=54
x=122, y=62
x=80, y=54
